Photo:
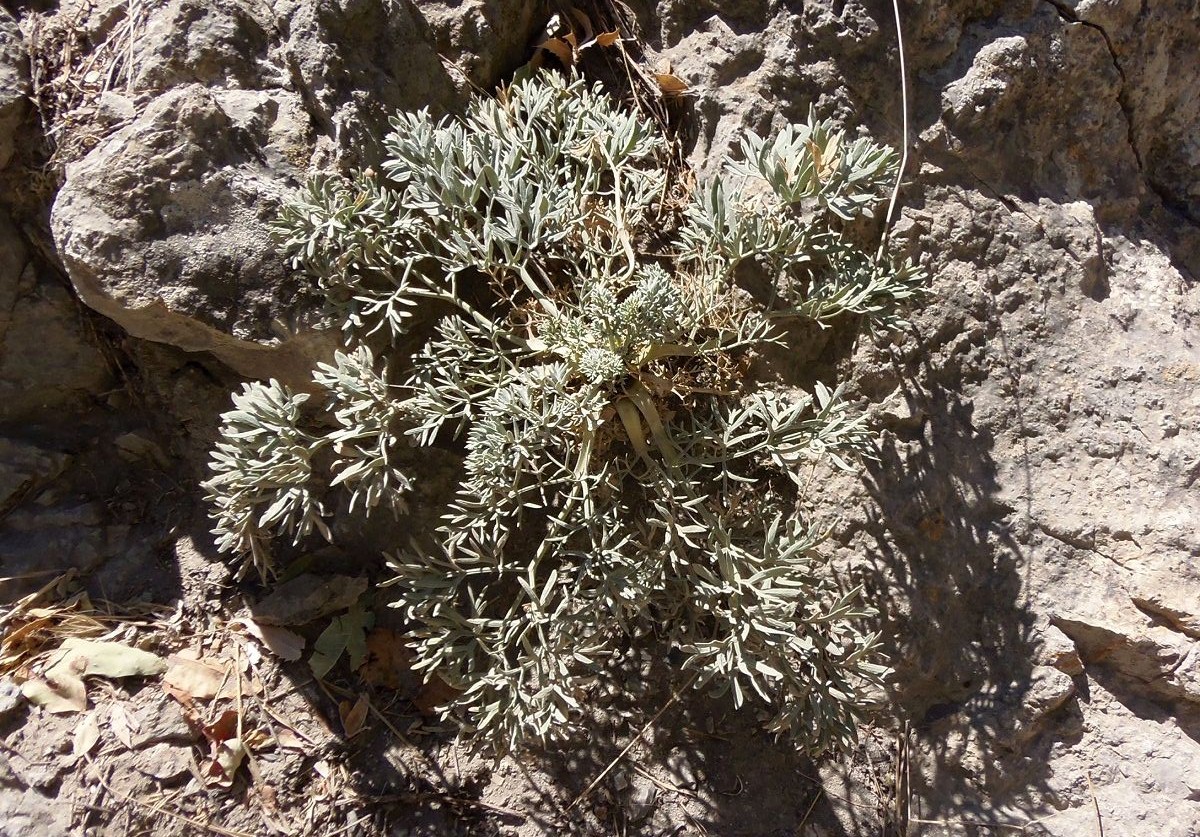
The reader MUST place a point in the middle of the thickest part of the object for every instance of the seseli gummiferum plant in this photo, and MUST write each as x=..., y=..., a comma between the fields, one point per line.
x=622, y=474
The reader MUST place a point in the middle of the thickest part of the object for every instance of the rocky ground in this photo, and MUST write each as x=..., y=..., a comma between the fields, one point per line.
x=1029, y=532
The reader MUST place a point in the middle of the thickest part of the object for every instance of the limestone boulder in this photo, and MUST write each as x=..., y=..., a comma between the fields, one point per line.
x=165, y=228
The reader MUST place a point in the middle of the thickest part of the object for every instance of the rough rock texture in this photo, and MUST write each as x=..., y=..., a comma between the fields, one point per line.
x=164, y=228
x=14, y=83
x=1030, y=530
x=47, y=360
x=164, y=225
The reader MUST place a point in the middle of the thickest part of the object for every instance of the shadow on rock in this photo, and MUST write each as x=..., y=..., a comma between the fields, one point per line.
x=947, y=577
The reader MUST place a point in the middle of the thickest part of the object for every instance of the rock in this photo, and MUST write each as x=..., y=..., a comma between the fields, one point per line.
x=59, y=537
x=94, y=18
x=216, y=44
x=1059, y=651
x=1150, y=49
x=1054, y=154
x=114, y=110
x=26, y=814
x=1132, y=654
x=486, y=39
x=134, y=447
x=1157, y=656
x=11, y=698
x=358, y=63
x=14, y=258
x=47, y=361
x=164, y=227
x=1180, y=611
x=161, y=723
x=164, y=762
x=14, y=83
x=680, y=769
x=641, y=800
x=1049, y=689
x=23, y=468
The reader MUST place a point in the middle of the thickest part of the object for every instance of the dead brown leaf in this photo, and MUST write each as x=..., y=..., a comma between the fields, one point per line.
x=288, y=739
x=226, y=750
x=354, y=716
x=87, y=734
x=671, y=85
x=58, y=694
x=197, y=679
x=84, y=657
x=389, y=660
x=607, y=39
x=585, y=22
x=189, y=679
x=284, y=644
x=437, y=692
x=560, y=49
x=307, y=598
x=122, y=724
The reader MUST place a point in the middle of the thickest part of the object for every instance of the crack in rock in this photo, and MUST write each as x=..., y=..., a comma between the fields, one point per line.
x=1068, y=14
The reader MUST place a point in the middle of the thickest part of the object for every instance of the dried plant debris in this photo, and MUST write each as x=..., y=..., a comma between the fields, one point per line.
x=78, y=55
x=623, y=476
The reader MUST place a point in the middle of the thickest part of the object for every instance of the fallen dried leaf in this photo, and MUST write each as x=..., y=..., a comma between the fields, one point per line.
x=670, y=85
x=227, y=751
x=85, y=657
x=287, y=739
x=389, y=660
x=437, y=692
x=258, y=740
x=345, y=634
x=285, y=644
x=224, y=728
x=227, y=757
x=354, y=715
x=307, y=598
x=62, y=693
x=198, y=679
x=122, y=724
x=560, y=49
x=87, y=734
x=607, y=39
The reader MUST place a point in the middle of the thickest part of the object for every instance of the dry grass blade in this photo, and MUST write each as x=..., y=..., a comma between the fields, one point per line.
x=1095, y=803
x=69, y=74
x=36, y=628
x=887, y=218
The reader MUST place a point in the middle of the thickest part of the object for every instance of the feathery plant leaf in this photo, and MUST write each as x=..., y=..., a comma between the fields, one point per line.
x=621, y=475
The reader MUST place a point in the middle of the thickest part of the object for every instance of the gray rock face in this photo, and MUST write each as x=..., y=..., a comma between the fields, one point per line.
x=164, y=228
x=1154, y=46
x=164, y=225
x=47, y=360
x=14, y=83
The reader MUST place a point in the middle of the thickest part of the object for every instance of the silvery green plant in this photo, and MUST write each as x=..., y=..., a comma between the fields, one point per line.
x=622, y=476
